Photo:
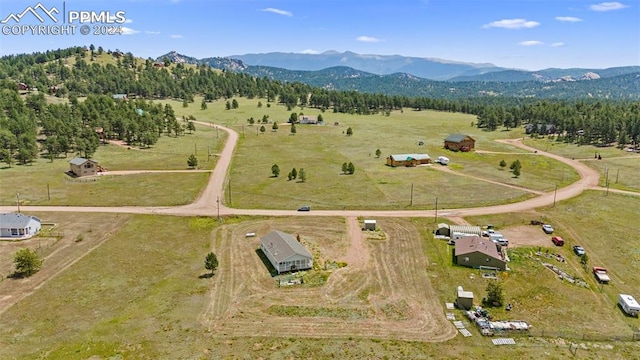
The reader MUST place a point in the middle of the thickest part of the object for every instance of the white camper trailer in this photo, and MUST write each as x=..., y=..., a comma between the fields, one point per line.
x=629, y=304
x=443, y=160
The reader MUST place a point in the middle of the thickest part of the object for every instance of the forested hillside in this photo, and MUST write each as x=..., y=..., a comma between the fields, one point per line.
x=86, y=79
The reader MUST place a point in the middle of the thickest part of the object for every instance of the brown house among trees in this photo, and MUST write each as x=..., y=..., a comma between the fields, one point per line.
x=459, y=142
x=83, y=167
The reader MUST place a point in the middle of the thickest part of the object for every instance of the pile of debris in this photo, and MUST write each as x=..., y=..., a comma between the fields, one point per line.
x=487, y=327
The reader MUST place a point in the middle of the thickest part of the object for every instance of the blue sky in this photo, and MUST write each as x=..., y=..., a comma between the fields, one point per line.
x=525, y=34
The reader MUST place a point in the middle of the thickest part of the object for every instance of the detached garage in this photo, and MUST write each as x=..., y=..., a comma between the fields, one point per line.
x=459, y=142
x=285, y=252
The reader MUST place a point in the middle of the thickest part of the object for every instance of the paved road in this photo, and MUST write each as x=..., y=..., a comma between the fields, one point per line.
x=210, y=201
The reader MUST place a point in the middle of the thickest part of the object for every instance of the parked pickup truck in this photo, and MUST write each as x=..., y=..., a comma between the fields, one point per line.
x=601, y=274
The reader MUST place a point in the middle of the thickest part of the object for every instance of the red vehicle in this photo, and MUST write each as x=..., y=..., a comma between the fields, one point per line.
x=601, y=274
x=557, y=241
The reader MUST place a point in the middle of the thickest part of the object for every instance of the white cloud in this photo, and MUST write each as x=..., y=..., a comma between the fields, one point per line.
x=530, y=43
x=512, y=24
x=176, y=36
x=607, y=6
x=557, y=44
x=370, y=39
x=277, y=11
x=152, y=32
x=310, y=51
x=568, y=18
x=128, y=31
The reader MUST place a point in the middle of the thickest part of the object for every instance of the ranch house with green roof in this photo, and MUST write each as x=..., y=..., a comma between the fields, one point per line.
x=408, y=160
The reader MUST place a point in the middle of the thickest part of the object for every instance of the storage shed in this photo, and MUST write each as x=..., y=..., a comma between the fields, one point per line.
x=464, y=299
x=370, y=225
x=448, y=230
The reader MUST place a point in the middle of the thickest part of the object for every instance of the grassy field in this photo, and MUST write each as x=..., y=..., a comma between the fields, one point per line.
x=321, y=151
x=621, y=165
x=170, y=153
x=146, y=300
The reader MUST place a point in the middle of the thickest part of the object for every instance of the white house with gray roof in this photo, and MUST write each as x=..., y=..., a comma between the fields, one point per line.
x=19, y=226
x=285, y=252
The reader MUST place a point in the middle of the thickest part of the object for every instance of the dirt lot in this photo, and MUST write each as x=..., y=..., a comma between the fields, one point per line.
x=75, y=238
x=526, y=235
x=384, y=291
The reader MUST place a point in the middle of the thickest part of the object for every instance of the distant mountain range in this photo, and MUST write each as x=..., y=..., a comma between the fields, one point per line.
x=433, y=69
x=426, y=77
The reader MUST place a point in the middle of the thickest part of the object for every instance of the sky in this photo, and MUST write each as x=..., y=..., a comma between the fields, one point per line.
x=522, y=34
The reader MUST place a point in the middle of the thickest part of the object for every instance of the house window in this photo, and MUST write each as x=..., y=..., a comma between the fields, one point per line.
x=21, y=231
x=14, y=232
x=466, y=259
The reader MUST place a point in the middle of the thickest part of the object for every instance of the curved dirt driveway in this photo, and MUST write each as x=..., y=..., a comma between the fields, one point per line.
x=211, y=198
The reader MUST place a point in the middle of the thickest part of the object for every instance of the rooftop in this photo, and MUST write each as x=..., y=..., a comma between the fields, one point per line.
x=471, y=244
x=282, y=245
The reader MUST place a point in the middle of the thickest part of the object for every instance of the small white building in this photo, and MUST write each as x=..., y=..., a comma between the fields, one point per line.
x=285, y=252
x=464, y=299
x=19, y=226
x=370, y=225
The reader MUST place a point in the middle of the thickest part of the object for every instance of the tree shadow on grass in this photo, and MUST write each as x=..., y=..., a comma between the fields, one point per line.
x=206, y=276
x=267, y=264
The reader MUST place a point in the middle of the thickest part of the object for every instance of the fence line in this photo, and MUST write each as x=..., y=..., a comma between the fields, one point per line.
x=582, y=336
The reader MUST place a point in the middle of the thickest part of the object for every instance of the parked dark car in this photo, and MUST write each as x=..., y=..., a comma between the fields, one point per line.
x=304, y=208
x=579, y=250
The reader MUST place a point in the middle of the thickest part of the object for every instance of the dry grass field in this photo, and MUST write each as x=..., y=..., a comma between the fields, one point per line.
x=134, y=287
x=384, y=291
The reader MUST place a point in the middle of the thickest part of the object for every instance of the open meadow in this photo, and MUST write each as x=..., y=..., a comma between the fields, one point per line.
x=619, y=165
x=321, y=151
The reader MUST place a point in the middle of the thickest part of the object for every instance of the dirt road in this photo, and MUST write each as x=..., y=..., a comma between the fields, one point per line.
x=210, y=201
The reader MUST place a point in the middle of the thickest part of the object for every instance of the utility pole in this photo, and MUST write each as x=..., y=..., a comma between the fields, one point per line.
x=436, y=220
x=18, y=201
x=48, y=193
x=218, y=202
x=411, y=203
x=555, y=192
